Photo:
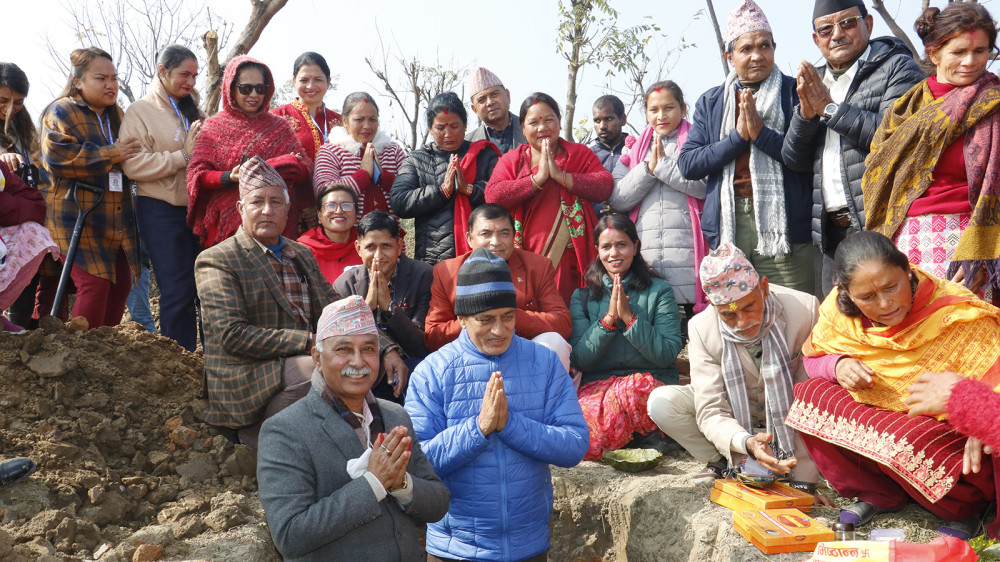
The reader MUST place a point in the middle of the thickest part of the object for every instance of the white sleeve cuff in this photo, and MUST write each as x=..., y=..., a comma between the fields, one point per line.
x=739, y=442
x=404, y=495
x=377, y=487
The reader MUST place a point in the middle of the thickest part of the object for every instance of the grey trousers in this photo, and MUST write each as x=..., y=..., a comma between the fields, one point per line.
x=295, y=374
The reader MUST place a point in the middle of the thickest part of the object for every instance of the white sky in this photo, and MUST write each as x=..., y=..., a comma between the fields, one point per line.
x=516, y=39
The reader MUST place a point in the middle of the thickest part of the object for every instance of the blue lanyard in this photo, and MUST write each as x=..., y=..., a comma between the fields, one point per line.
x=184, y=120
x=323, y=133
x=108, y=135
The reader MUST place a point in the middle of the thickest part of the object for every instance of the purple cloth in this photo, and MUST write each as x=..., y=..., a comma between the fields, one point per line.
x=822, y=367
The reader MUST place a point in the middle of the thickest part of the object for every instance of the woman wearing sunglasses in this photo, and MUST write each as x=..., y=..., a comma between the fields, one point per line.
x=332, y=242
x=931, y=179
x=242, y=129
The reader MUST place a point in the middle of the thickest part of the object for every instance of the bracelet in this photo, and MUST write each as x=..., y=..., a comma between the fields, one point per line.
x=534, y=185
x=632, y=321
x=609, y=325
x=187, y=157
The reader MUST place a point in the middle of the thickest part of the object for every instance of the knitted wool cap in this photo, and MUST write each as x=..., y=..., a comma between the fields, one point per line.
x=346, y=317
x=483, y=284
x=727, y=275
x=748, y=17
x=482, y=79
x=256, y=173
x=827, y=7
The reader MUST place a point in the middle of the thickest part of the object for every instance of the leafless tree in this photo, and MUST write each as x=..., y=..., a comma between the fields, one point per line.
x=718, y=37
x=261, y=12
x=879, y=6
x=410, y=84
x=131, y=31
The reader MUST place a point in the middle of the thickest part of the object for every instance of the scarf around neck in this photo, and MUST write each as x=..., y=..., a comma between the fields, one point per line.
x=775, y=369
x=378, y=424
x=766, y=173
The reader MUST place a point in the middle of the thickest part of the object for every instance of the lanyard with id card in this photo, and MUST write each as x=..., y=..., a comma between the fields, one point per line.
x=116, y=180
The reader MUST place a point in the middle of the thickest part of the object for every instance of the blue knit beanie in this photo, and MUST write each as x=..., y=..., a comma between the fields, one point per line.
x=483, y=284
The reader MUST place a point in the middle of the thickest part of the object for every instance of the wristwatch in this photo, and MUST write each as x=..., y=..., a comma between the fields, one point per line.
x=829, y=111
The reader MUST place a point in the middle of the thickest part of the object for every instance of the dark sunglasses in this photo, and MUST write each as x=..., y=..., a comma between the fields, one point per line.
x=845, y=26
x=245, y=89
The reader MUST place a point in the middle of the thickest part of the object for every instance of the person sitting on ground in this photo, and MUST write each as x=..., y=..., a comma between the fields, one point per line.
x=665, y=207
x=886, y=323
x=440, y=183
x=333, y=241
x=626, y=334
x=744, y=354
x=259, y=294
x=494, y=453
x=397, y=289
x=361, y=155
x=550, y=186
x=609, y=120
x=541, y=313
x=342, y=475
x=840, y=106
x=752, y=199
x=491, y=103
x=24, y=242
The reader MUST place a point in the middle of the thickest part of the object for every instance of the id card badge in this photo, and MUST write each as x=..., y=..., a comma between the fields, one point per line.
x=115, y=181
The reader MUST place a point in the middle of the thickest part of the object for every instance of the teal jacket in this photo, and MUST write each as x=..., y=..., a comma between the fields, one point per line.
x=650, y=345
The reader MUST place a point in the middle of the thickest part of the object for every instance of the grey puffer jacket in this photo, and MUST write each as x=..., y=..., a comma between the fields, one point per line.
x=888, y=72
x=416, y=193
x=664, y=222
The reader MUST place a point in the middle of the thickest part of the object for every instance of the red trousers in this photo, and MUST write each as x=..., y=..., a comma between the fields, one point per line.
x=854, y=475
x=98, y=300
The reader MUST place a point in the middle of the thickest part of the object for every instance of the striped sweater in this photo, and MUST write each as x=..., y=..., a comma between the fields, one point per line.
x=340, y=161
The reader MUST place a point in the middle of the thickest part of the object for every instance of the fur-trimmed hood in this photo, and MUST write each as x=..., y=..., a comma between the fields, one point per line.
x=340, y=137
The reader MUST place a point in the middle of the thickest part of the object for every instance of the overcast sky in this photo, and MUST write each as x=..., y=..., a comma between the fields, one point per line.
x=516, y=39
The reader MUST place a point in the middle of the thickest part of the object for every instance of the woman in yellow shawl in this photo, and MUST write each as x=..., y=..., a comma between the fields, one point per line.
x=885, y=323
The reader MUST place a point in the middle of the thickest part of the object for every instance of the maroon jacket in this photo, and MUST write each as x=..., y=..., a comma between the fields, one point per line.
x=540, y=307
x=19, y=202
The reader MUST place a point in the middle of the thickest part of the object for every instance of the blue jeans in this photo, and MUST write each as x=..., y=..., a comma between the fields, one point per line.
x=138, y=302
x=172, y=248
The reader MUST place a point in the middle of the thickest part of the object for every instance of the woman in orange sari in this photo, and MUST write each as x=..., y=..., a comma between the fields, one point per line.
x=550, y=186
x=885, y=323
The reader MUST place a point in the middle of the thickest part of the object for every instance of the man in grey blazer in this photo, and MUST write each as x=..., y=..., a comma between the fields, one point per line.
x=340, y=476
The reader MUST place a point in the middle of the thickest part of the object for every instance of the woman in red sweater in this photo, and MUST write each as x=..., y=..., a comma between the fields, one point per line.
x=931, y=178
x=243, y=129
x=550, y=186
x=333, y=241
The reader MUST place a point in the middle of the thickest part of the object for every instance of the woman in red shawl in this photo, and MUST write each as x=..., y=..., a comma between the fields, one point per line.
x=243, y=129
x=332, y=242
x=550, y=186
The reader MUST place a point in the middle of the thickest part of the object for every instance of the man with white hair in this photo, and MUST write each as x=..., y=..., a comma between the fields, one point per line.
x=341, y=473
x=260, y=296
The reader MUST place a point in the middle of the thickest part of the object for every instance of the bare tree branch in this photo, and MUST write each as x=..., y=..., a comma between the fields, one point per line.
x=718, y=37
x=879, y=6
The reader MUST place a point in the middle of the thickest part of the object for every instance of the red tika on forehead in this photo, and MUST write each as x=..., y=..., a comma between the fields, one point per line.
x=658, y=90
x=446, y=112
x=533, y=102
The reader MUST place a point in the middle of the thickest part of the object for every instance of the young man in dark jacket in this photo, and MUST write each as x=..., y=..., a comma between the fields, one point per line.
x=752, y=199
x=841, y=106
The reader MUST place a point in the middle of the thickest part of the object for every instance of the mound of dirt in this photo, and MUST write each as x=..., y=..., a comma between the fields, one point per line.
x=126, y=472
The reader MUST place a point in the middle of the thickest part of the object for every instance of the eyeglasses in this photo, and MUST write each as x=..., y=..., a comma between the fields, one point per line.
x=245, y=89
x=332, y=207
x=846, y=25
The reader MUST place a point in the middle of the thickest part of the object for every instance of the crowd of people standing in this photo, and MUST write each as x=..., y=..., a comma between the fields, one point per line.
x=551, y=285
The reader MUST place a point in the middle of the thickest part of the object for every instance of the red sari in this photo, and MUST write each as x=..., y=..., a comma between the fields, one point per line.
x=536, y=212
x=305, y=127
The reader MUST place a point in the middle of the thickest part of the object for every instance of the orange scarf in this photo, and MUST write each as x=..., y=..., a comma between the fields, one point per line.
x=947, y=329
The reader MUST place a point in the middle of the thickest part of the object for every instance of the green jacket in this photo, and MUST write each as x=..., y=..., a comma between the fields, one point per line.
x=650, y=345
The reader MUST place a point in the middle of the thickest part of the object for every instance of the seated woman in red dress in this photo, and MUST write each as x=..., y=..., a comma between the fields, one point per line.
x=333, y=241
x=550, y=186
x=886, y=323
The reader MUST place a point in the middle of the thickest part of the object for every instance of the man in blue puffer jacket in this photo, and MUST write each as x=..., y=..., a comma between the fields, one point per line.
x=492, y=412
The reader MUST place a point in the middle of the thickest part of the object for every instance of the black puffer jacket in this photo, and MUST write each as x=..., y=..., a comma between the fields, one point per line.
x=416, y=193
x=888, y=73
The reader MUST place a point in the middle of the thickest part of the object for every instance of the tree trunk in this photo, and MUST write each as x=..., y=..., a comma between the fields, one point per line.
x=213, y=73
x=261, y=12
x=718, y=37
x=879, y=6
x=574, y=69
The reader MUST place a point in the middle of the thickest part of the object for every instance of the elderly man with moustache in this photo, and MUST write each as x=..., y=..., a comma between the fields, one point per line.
x=493, y=411
x=260, y=298
x=491, y=102
x=752, y=199
x=745, y=354
x=840, y=107
x=333, y=483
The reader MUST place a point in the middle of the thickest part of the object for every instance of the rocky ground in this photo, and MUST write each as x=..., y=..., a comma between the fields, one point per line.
x=127, y=473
